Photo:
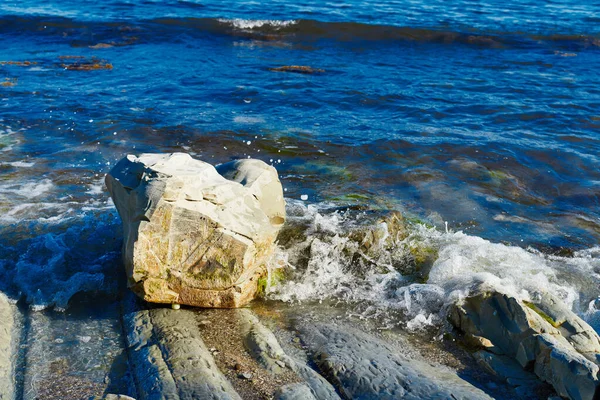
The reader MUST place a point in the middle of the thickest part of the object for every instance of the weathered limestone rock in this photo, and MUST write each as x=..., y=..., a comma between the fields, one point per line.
x=545, y=337
x=168, y=357
x=191, y=236
x=6, y=368
x=364, y=367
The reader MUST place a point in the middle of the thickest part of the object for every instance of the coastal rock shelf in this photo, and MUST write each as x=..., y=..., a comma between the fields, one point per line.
x=194, y=234
x=278, y=352
x=170, y=358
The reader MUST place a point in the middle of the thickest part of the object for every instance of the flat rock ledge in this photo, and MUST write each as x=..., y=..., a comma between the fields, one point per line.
x=6, y=347
x=544, y=338
x=194, y=234
x=362, y=366
x=168, y=358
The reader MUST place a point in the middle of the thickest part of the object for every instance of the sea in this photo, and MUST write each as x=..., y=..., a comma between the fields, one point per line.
x=478, y=120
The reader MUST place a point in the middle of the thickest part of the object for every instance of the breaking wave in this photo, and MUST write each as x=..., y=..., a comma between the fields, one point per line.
x=256, y=23
x=409, y=277
x=156, y=29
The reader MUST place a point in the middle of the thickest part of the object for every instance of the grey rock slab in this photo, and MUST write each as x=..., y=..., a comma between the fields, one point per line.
x=6, y=367
x=321, y=387
x=504, y=367
x=262, y=344
x=363, y=366
x=572, y=375
x=296, y=391
x=265, y=348
x=545, y=336
x=169, y=359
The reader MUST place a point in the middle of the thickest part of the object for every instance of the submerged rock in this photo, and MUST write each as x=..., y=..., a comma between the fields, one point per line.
x=194, y=235
x=545, y=337
x=6, y=328
x=299, y=69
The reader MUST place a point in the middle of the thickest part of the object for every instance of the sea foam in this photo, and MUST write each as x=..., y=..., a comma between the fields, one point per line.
x=326, y=268
x=256, y=23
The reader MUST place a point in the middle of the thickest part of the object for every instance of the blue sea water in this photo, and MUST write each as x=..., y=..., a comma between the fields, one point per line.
x=484, y=115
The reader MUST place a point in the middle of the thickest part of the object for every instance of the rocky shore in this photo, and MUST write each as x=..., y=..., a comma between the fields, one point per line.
x=299, y=352
x=200, y=236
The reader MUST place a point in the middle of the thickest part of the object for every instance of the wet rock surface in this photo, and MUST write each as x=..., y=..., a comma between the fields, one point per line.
x=6, y=343
x=542, y=337
x=168, y=357
x=192, y=235
x=268, y=351
x=362, y=366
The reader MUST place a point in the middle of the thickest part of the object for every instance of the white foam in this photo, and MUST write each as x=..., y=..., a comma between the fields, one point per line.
x=248, y=120
x=97, y=187
x=257, y=23
x=29, y=189
x=20, y=164
x=463, y=263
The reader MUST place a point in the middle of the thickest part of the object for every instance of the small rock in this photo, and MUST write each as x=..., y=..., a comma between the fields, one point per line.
x=84, y=339
x=204, y=322
x=237, y=367
x=245, y=375
x=59, y=341
x=296, y=340
x=175, y=306
x=280, y=363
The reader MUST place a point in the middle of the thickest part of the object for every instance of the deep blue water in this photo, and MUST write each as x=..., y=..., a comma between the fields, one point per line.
x=482, y=114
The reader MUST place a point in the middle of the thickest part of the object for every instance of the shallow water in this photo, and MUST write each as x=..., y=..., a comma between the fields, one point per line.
x=480, y=119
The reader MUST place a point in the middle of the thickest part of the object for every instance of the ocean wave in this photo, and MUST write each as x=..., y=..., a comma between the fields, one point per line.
x=256, y=23
x=412, y=280
x=291, y=30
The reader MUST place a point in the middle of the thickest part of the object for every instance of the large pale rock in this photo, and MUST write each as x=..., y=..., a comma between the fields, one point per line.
x=545, y=337
x=191, y=235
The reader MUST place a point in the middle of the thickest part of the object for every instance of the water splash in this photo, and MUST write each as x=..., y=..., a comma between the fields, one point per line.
x=411, y=278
